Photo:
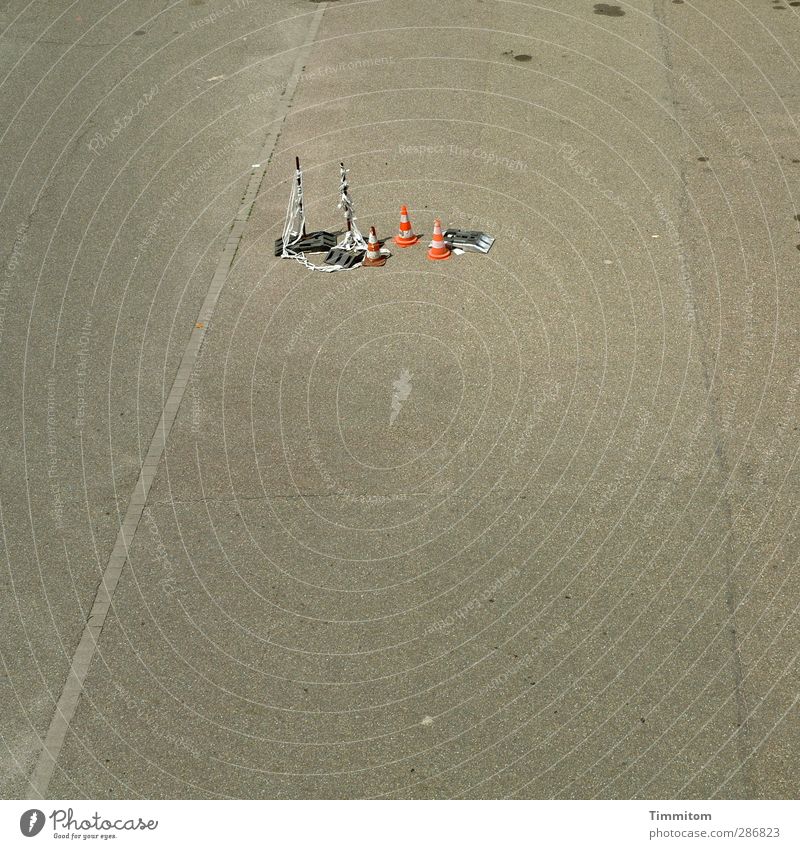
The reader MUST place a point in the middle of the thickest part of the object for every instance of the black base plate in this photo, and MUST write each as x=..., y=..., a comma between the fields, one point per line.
x=347, y=259
x=316, y=242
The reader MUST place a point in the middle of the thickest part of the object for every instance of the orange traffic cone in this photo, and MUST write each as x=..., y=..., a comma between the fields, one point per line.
x=438, y=249
x=405, y=238
x=374, y=256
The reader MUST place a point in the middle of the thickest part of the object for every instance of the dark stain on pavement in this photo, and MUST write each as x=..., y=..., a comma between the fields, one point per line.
x=605, y=9
x=520, y=57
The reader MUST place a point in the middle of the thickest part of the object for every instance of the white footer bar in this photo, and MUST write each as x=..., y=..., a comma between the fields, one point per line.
x=381, y=824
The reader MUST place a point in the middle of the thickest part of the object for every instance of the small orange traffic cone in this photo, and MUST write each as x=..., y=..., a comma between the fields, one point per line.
x=405, y=238
x=374, y=256
x=438, y=249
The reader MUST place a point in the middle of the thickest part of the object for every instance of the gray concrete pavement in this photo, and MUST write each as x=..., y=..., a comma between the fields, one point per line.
x=122, y=168
x=567, y=567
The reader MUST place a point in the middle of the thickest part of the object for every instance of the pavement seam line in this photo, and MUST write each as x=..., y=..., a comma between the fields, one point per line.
x=80, y=664
x=742, y=733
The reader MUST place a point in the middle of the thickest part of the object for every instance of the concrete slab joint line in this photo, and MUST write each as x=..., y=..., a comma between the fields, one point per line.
x=742, y=732
x=87, y=646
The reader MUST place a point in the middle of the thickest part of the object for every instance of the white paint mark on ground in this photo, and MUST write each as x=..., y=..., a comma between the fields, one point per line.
x=401, y=390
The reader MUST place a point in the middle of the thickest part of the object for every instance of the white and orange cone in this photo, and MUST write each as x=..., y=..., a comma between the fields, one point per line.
x=406, y=237
x=374, y=257
x=438, y=249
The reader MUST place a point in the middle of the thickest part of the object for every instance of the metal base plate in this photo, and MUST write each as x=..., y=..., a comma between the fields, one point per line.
x=347, y=259
x=316, y=242
x=469, y=240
